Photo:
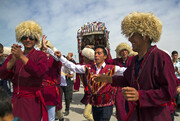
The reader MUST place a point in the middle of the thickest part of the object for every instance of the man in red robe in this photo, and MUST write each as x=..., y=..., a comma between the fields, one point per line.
x=26, y=70
x=149, y=83
x=51, y=82
x=122, y=60
x=88, y=57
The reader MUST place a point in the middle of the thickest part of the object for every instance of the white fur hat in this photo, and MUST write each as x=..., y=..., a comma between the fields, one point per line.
x=88, y=53
x=145, y=24
x=28, y=28
x=133, y=53
x=55, y=49
x=122, y=46
x=7, y=50
x=49, y=44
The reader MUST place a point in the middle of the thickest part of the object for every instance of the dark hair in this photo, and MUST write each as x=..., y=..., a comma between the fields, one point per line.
x=174, y=52
x=102, y=47
x=5, y=103
x=1, y=46
x=72, y=60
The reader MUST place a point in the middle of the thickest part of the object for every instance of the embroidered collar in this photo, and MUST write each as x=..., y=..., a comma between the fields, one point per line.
x=102, y=66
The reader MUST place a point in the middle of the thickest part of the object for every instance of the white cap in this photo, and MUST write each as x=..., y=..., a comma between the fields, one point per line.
x=88, y=53
x=7, y=50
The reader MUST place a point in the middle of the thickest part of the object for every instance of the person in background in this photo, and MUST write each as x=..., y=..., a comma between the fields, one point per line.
x=7, y=52
x=88, y=57
x=72, y=80
x=1, y=53
x=132, y=53
x=6, y=84
x=70, y=57
x=176, y=64
x=26, y=70
x=149, y=83
x=122, y=60
x=66, y=87
x=6, y=107
x=51, y=80
x=76, y=84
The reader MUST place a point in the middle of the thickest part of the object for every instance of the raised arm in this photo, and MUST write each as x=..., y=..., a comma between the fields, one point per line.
x=51, y=52
x=73, y=67
x=57, y=56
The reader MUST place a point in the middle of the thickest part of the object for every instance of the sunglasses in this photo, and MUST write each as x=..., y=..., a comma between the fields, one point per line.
x=30, y=38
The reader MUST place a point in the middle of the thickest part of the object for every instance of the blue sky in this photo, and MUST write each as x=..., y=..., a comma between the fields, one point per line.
x=60, y=19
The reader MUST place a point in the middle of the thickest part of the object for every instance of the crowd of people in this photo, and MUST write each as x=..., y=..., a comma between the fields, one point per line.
x=142, y=82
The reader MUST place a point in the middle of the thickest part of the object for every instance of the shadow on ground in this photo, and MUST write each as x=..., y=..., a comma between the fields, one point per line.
x=77, y=98
x=77, y=110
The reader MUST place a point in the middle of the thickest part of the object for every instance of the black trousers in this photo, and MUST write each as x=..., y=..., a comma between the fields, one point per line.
x=67, y=90
x=102, y=113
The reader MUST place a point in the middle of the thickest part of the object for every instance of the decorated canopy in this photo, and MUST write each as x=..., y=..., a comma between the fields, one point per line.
x=93, y=33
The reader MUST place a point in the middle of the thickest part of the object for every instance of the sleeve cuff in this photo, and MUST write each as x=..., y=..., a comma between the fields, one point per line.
x=48, y=50
x=62, y=59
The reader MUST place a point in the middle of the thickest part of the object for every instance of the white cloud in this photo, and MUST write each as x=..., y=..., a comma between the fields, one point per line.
x=60, y=19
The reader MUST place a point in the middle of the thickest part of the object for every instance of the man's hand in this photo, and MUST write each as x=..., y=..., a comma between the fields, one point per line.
x=58, y=54
x=69, y=56
x=176, y=70
x=44, y=42
x=13, y=58
x=16, y=51
x=101, y=78
x=130, y=94
x=178, y=89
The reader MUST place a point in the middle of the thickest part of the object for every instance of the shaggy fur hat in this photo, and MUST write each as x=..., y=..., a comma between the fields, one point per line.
x=7, y=50
x=133, y=53
x=88, y=53
x=28, y=28
x=146, y=24
x=122, y=46
x=50, y=45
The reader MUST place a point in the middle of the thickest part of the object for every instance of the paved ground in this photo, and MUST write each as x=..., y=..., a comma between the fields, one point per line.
x=77, y=108
x=177, y=118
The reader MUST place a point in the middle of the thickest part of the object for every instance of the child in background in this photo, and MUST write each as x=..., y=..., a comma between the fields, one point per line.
x=6, y=107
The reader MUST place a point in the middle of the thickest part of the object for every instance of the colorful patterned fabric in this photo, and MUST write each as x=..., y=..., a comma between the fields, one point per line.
x=47, y=83
x=103, y=94
x=92, y=28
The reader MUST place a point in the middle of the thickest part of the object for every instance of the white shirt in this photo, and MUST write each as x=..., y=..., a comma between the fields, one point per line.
x=81, y=68
x=178, y=65
x=64, y=72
